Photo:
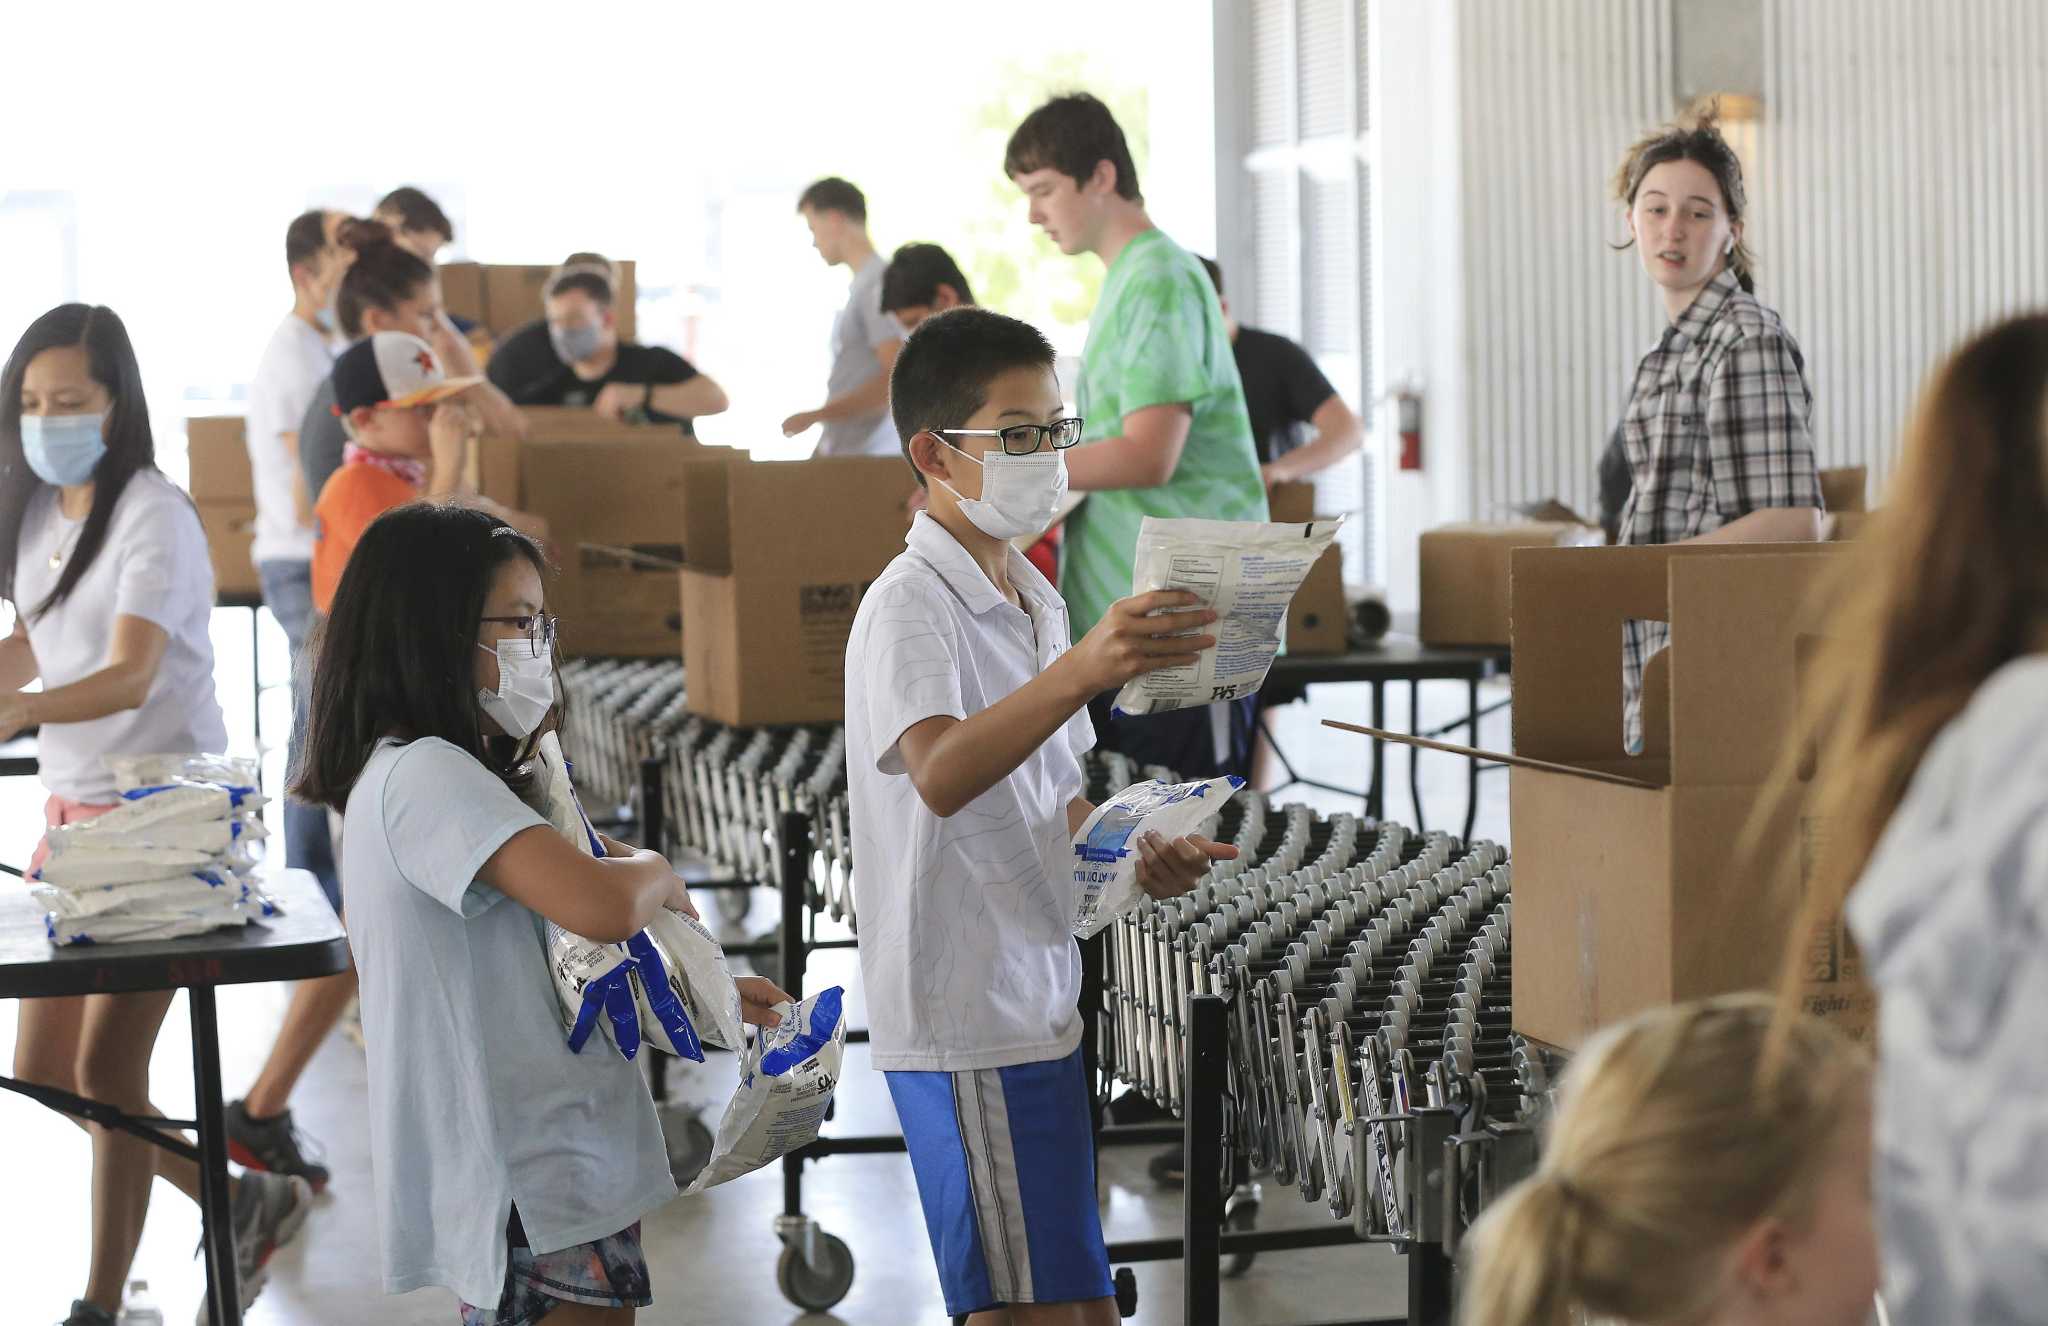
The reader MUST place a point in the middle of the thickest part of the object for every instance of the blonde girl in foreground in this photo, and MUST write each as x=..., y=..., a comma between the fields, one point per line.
x=1679, y=1187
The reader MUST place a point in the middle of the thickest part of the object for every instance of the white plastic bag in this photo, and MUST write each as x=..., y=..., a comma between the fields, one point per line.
x=86, y=867
x=699, y=978
x=1106, y=852
x=1248, y=571
x=634, y=990
x=787, y=1077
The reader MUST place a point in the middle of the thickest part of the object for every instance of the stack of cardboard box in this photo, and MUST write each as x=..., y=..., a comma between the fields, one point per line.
x=503, y=297
x=224, y=489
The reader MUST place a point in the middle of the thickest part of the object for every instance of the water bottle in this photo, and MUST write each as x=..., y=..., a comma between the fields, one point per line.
x=138, y=1308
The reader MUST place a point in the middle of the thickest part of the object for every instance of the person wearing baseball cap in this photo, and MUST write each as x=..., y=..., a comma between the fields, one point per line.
x=404, y=416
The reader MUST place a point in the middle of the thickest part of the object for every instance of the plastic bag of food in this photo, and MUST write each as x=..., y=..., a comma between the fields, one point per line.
x=134, y=772
x=1106, y=851
x=629, y=983
x=88, y=867
x=699, y=978
x=1248, y=572
x=787, y=1077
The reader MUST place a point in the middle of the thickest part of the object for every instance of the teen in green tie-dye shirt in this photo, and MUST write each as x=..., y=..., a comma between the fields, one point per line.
x=1167, y=433
x=1157, y=338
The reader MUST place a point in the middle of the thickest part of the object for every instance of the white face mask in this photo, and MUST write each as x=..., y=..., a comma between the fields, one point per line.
x=526, y=687
x=1019, y=494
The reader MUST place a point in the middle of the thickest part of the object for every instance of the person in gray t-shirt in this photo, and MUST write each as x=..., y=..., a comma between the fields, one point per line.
x=855, y=416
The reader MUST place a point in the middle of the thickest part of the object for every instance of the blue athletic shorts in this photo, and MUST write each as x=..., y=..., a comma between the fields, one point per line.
x=1006, y=1173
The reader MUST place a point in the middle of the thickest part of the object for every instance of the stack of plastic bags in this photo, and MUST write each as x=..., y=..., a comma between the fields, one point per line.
x=669, y=987
x=172, y=860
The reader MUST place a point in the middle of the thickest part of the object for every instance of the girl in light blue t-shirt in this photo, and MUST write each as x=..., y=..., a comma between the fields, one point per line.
x=507, y=1167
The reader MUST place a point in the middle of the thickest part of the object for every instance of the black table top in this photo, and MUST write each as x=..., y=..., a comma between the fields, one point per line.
x=306, y=941
x=250, y=599
x=18, y=758
x=1395, y=658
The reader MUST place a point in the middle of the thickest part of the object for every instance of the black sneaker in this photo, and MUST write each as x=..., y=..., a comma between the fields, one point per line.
x=274, y=1146
x=86, y=1314
x=1169, y=1168
x=1132, y=1108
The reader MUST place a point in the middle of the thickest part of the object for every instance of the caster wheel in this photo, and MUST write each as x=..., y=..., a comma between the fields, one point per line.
x=734, y=904
x=1243, y=1218
x=816, y=1288
x=1126, y=1292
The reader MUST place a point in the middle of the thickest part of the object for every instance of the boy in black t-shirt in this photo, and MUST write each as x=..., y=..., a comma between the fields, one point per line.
x=1284, y=391
x=590, y=366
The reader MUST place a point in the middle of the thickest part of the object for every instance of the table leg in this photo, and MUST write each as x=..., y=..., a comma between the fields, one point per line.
x=1375, y=797
x=1471, y=765
x=217, y=1222
x=256, y=688
x=1415, y=754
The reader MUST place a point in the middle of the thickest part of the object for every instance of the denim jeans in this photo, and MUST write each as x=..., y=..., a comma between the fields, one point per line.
x=288, y=593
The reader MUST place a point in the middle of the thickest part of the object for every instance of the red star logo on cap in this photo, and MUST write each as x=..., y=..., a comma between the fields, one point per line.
x=425, y=359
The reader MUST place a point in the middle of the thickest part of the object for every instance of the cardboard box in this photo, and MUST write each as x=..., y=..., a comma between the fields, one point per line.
x=1291, y=503
x=230, y=533
x=462, y=290
x=1635, y=883
x=1318, y=616
x=1465, y=576
x=769, y=613
x=503, y=297
x=614, y=512
x=1844, y=489
x=219, y=455
x=1633, y=888
x=1846, y=525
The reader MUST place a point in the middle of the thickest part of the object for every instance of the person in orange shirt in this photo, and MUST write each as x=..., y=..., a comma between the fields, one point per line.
x=404, y=417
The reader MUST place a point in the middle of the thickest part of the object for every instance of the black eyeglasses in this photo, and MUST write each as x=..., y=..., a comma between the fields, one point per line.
x=1024, y=439
x=539, y=628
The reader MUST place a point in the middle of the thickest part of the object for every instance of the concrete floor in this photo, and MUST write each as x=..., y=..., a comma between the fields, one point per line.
x=713, y=1257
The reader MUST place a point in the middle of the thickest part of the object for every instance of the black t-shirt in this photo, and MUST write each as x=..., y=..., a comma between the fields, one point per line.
x=1283, y=389
x=526, y=368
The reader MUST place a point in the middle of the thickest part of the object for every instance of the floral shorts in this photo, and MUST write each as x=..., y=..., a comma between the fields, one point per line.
x=610, y=1272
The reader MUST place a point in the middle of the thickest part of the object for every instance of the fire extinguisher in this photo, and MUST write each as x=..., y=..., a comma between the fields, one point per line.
x=1408, y=421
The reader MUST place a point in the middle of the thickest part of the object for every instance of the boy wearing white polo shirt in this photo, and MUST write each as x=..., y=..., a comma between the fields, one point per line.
x=966, y=720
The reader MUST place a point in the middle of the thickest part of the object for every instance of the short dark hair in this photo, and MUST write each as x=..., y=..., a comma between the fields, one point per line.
x=1070, y=134
x=1215, y=274
x=398, y=645
x=916, y=271
x=383, y=275
x=833, y=194
x=942, y=375
x=306, y=237
x=131, y=447
x=416, y=211
x=587, y=279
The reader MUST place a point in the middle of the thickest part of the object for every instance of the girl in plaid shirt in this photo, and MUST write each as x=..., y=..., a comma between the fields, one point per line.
x=1716, y=431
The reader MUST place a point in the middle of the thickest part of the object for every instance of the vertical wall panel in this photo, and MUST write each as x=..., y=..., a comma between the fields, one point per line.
x=1899, y=182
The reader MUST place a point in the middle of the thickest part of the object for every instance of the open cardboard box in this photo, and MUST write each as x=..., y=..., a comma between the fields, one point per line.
x=1633, y=888
x=614, y=513
x=1318, y=612
x=777, y=555
x=499, y=472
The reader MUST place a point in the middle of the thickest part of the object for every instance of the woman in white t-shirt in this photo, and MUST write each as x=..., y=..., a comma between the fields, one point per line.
x=507, y=1167
x=106, y=567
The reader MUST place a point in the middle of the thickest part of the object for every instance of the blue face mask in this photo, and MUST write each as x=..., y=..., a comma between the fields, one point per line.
x=575, y=344
x=330, y=322
x=63, y=449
